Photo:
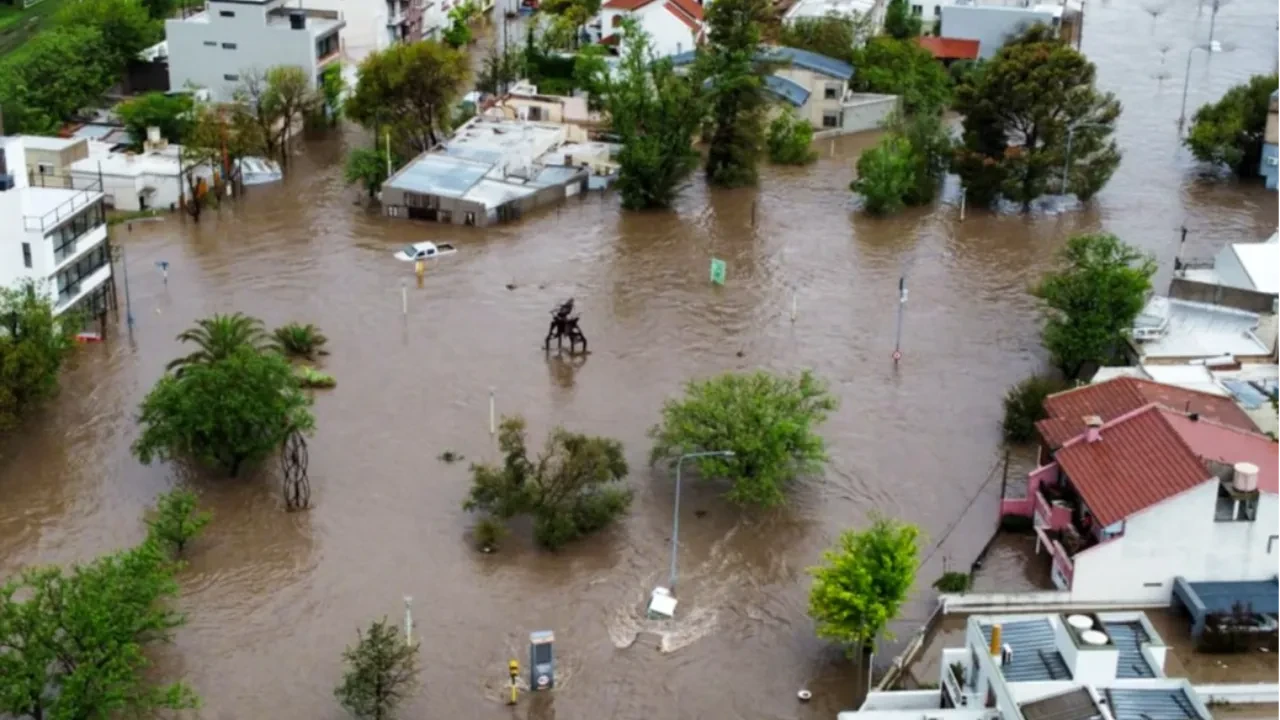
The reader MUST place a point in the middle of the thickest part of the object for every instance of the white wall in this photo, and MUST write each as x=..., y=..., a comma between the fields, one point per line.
x=1178, y=537
x=1230, y=272
x=990, y=26
x=668, y=35
x=258, y=46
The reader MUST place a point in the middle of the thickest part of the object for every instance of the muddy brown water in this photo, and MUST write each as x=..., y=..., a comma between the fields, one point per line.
x=274, y=597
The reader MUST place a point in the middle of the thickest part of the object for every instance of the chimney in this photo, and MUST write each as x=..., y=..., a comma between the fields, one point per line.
x=298, y=20
x=1094, y=433
x=994, y=649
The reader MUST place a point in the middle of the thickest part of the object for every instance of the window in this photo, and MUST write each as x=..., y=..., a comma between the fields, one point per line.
x=210, y=43
x=26, y=255
x=326, y=46
x=44, y=168
x=830, y=119
x=616, y=22
x=917, y=10
x=231, y=77
x=64, y=237
x=227, y=13
x=831, y=92
x=228, y=46
x=937, y=11
x=973, y=673
x=1235, y=506
x=70, y=278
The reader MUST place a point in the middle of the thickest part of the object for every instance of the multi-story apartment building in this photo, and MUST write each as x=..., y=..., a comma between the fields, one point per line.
x=53, y=236
x=217, y=47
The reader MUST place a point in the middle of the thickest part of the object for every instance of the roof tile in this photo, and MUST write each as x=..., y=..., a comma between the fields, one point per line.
x=949, y=48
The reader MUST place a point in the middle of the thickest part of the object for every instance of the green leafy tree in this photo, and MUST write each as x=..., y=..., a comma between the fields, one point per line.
x=886, y=175
x=590, y=74
x=411, y=88
x=655, y=113
x=1091, y=301
x=767, y=421
x=171, y=113
x=219, y=137
x=899, y=22
x=276, y=98
x=1018, y=111
x=571, y=489
x=74, y=639
x=333, y=88
x=458, y=34
x=571, y=17
x=366, y=167
x=381, y=672
x=160, y=9
x=930, y=143
x=296, y=340
x=177, y=519
x=500, y=70
x=228, y=413
x=790, y=140
x=735, y=90
x=126, y=26
x=834, y=35
x=33, y=348
x=1231, y=131
x=60, y=71
x=1024, y=406
x=863, y=582
x=902, y=67
x=218, y=337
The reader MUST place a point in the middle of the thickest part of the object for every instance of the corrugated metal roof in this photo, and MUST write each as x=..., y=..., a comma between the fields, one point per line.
x=1035, y=652
x=1221, y=596
x=1151, y=704
x=1111, y=399
x=786, y=89
x=1139, y=461
x=1129, y=637
x=1075, y=704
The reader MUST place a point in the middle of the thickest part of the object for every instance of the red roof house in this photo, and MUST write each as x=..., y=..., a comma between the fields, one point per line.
x=949, y=49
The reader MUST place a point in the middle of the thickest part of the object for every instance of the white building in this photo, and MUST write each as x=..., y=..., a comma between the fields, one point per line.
x=993, y=22
x=1084, y=666
x=56, y=237
x=150, y=180
x=674, y=26
x=1133, y=503
x=1180, y=331
x=219, y=46
x=846, y=8
x=1247, y=266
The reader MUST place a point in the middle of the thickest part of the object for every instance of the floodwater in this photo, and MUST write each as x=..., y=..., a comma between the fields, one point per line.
x=274, y=597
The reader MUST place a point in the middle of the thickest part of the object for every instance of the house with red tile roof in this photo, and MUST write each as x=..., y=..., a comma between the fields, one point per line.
x=674, y=26
x=1137, y=498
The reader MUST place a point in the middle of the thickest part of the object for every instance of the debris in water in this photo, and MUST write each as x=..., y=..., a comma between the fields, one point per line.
x=804, y=695
x=450, y=456
x=741, y=354
x=699, y=513
x=511, y=286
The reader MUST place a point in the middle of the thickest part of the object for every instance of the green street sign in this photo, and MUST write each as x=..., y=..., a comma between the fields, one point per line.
x=717, y=271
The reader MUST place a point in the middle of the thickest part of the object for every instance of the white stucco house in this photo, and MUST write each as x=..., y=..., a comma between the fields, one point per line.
x=54, y=236
x=1179, y=487
x=218, y=46
x=673, y=26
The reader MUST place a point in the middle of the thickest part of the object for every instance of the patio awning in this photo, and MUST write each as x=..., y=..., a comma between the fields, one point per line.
x=1204, y=598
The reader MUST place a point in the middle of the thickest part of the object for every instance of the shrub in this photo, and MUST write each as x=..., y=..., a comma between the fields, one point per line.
x=790, y=140
x=952, y=582
x=177, y=519
x=301, y=341
x=1024, y=406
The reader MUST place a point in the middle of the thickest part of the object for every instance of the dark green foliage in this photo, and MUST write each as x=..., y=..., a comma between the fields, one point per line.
x=902, y=67
x=1018, y=110
x=366, y=167
x=171, y=113
x=589, y=74
x=219, y=336
x=177, y=519
x=1024, y=406
x=767, y=421
x=655, y=113
x=381, y=672
x=790, y=140
x=899, y=23
x=736, y=94
x=499, y=71
x=228, y=413
x=332, y=89
x=1230, y=131
x=458, y=34
x=59, y=72
x=126, y=27
x=1090, y=303
x=833, y=35
x=930, y=143
x=33, y=348
x=952, y=582
x=488, y=534
x=571, y=489
x=410, y=88
x=886, y=175
x=296, y=340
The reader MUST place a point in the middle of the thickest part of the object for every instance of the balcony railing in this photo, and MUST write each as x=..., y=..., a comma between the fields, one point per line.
x=1051, y=515
x=64, y=209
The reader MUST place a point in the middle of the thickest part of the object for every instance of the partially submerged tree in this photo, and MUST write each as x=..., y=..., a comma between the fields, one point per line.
x=33, y=348
x=218, y=139
x=177, y=519
x=655, y=113
x=902, y=67
x=790, y=140
x=571, y=489
x=886, y=175
x=367, y=167
x=277, y=100
x=735, y=90
x=217, y=337
x=381, y=672
x=229, y=413
x=1091, y=301
x=767, y=421
x=1019, y=111
x=410, y=88
x=863, y=582
x=1231, y=131
x=296, y=340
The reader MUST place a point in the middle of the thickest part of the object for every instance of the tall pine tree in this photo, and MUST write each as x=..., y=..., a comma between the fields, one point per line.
x=735, y=88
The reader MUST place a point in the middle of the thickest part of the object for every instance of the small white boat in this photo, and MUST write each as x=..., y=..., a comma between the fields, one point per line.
x=424, y=251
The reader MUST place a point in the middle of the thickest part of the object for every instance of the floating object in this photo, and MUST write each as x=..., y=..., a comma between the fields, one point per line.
x=88, y=337
x=258, y=171
x=309, y=377
x=718, y=269
x=424, y=251
x=662, y=604
x=804, y=695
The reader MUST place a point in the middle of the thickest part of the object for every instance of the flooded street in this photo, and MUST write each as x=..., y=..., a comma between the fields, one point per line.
x=273, y=598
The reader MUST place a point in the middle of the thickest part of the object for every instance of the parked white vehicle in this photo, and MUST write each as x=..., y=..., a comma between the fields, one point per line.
x=424, y=251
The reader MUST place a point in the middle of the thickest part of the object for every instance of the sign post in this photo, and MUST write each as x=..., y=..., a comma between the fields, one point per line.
x=718, y=269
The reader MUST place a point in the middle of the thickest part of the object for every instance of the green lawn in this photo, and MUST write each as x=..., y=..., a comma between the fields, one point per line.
x=18, y=25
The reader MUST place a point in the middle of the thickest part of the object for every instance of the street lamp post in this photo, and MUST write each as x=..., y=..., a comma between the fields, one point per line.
x=675, y=518
x=902, y=301
x=1066, y=164
x=1186, y=83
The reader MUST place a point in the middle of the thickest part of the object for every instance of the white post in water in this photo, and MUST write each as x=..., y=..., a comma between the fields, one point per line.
x=493, y=417
x=404, y=298
x=408, y=620
x=962, y=198
x=793, y=305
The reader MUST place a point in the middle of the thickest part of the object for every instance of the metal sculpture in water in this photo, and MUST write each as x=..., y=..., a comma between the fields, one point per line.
x=297, y=485
x=565, y=324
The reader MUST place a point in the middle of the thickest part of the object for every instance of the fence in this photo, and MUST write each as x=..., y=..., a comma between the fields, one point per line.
x=1238, y=298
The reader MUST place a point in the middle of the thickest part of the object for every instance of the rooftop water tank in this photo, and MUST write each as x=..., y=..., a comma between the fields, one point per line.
x=1080, y=622
x=1244, y=477
x=1093, y=637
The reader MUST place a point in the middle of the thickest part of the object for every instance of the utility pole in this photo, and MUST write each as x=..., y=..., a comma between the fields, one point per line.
x=1213, y=21
x=1186, y=83
x=902, y=303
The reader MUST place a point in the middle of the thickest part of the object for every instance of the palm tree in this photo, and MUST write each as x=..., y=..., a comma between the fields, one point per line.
x=301, y=341
x=219, y=336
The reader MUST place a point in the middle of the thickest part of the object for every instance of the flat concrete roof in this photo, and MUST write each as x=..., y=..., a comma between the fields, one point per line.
x=40, y=142
x=1198, y=330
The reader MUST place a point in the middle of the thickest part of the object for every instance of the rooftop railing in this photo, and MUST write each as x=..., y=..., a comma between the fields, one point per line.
x=82, y=198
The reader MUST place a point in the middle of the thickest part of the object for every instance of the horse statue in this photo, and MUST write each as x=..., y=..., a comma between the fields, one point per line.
x=565, y=323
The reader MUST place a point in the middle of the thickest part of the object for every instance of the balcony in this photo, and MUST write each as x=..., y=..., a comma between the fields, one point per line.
x=1051, y=514
x=51, y=206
